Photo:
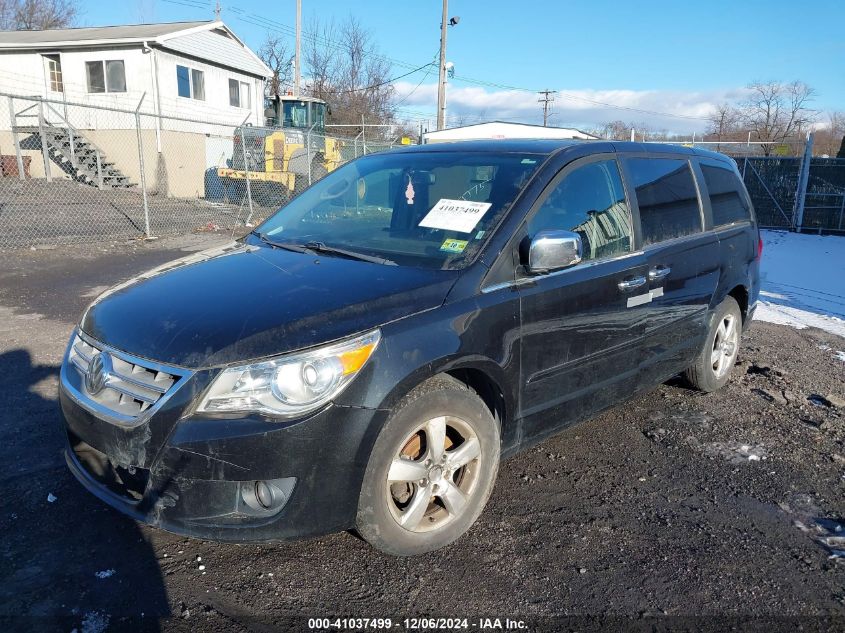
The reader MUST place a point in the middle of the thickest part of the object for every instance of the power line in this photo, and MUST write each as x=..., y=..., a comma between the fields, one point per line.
x=387, y=81
x=279, y=27
x=424, y=77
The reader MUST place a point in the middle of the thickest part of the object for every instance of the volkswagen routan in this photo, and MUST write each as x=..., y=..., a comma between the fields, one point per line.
x=366, y=357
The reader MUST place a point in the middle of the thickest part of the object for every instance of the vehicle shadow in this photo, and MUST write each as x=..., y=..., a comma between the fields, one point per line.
x=68, y=561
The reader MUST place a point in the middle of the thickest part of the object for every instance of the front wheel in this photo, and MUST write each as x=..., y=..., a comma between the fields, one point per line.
x=712, y=368
x=431, y=471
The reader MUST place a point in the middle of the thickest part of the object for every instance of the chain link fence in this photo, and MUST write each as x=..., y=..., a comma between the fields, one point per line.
x=76, y=173
x=783, y=196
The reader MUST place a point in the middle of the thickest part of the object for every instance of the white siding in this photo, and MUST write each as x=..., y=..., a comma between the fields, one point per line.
x=25, y=74
x=215, y=107
x=218, y=48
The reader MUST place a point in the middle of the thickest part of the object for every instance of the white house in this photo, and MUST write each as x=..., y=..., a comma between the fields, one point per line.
x=192, y=83
x=501, y=130
x=195, y=70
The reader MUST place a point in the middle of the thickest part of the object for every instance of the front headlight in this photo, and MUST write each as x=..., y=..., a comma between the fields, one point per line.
x=290, y=385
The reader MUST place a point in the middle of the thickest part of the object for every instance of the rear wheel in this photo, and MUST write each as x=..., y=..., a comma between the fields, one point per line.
x=431, y=471
x=712, y=368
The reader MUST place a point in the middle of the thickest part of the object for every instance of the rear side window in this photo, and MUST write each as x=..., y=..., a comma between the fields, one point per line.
x=726, y=199
x=667, y=198
x=589, y=201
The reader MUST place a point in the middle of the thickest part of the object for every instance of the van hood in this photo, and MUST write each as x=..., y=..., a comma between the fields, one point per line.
x=243, y=301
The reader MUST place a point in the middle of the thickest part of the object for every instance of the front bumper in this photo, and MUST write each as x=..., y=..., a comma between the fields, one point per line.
x=197, y=476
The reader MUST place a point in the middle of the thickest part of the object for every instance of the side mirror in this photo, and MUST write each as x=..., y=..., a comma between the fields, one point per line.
x=552, y=250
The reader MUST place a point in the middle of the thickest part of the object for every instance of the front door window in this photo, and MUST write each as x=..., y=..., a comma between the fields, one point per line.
x=589, y=201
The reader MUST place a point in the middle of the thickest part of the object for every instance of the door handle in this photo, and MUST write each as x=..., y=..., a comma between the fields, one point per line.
x=659, y=272
x=632, y=283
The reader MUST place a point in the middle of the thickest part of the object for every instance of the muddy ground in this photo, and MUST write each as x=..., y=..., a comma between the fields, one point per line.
x=676, y=510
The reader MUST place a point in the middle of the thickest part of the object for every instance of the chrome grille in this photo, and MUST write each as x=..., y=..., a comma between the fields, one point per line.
x=129, y=387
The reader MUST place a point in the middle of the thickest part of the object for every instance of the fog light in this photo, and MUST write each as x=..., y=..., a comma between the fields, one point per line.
x=263, y=494
x=264, y=497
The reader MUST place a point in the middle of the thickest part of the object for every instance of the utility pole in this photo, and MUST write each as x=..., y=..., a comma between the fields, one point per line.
x=441, y=86
x=546, y=99
x=297, y=60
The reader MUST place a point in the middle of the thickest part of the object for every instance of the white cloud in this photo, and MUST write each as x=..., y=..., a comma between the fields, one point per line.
x=571, y=108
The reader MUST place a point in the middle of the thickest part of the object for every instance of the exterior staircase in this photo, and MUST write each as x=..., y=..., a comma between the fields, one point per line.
x=75, y=155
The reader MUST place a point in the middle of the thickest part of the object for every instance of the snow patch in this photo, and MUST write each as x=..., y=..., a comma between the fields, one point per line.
x=802, y=280
x=736, y=452
x=798, y=318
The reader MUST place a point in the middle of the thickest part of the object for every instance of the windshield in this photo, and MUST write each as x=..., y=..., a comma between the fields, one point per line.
x=294, y=114
x=419, y=209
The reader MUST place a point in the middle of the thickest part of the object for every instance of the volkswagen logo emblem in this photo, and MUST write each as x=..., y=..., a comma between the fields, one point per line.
x=99, y=371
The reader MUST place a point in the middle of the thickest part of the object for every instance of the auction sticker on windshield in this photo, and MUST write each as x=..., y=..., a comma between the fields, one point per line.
x=455, y=215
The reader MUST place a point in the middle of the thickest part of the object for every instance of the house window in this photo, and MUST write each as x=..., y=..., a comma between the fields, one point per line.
x=190, y=83
x=54, y=72
x=239, y=94
x=106, y=76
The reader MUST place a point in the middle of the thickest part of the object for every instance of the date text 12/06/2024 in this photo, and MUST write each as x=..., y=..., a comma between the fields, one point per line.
x=416, y=624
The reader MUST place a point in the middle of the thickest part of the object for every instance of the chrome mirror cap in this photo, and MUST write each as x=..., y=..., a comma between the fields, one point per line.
x=552, y=250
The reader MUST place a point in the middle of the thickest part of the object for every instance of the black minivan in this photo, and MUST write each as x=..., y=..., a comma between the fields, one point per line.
x=366, y=357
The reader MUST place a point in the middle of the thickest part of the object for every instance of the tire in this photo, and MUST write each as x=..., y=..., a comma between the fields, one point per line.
x=429, y=505
x=712, y=367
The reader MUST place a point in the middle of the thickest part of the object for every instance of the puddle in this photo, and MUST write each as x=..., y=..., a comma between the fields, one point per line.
x=829, y=533
x=819, y=401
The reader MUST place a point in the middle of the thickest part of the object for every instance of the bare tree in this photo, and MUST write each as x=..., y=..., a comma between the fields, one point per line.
x=829, y=136
x=346, y=69
x=275, y=53
x=33, y=15
x=725, y=124
x=613, y=131
x=775, y=112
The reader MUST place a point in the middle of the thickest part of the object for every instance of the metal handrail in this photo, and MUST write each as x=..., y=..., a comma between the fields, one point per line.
x=72, y=132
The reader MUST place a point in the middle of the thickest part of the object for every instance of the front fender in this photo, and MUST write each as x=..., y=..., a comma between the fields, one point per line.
x=479, y=333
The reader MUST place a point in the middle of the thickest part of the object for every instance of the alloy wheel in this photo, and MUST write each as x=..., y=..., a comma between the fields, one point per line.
x=433, y=474
x=725, y=346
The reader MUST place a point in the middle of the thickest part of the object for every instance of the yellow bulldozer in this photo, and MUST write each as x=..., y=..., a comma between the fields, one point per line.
x=285, y=155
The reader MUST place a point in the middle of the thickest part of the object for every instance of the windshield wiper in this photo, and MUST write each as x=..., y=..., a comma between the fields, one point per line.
x=321, y=247
x=296, y=248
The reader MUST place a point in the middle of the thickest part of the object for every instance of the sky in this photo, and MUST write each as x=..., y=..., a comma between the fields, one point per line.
x=666, y=64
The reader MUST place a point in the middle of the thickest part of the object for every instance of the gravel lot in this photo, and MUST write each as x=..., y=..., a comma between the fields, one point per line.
x=671, y=512
x=34, y=212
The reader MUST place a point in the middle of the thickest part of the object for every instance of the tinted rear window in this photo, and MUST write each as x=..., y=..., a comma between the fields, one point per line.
x=728, y=202
x=667, y=198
